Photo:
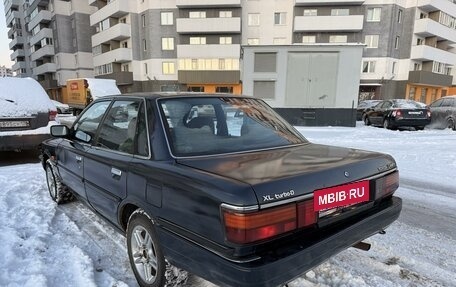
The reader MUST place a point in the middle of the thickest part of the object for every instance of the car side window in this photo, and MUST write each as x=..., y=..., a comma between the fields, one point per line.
x=141, y=141
x=386, y=105
x=86, y=127
x=446, y=103
x=118, y=129
x=436, y=103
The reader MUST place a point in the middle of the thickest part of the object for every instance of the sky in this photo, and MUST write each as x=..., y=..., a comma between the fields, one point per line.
x=4, y=41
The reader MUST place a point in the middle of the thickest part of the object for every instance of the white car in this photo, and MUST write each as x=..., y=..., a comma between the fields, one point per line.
x=26, y=113
x=61, y=107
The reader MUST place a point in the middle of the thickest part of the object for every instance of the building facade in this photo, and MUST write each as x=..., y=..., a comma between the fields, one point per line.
x=5, y=72
x=50, y=40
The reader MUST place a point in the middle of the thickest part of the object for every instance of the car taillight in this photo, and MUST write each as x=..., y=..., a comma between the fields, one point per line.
x=242, y=228
x=52, y=115
x=428, y=113
x=386, y=185
x=397, y=113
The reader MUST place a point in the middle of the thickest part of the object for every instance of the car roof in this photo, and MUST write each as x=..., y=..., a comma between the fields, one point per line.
x=159, y=95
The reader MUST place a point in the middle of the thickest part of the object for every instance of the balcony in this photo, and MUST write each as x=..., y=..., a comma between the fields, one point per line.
x=11, y=4
x=430, y=78
x=43, y=33
x=437, y=5
x=428, y=53
x=116, y=9
x=11, y=16
x=117, y=32
x=208, y=51
x=44, y=16
x=208, y=25
x=48, y=84
x=328, y=23
x=45, y=51
x=45, y=68
x=16, y=41
x=207, y=3
x=120, y=55
x=122, y=78
x=328, y=2
x=427, y=27
x=17, y=53
x=19, y=65
x=209, y=77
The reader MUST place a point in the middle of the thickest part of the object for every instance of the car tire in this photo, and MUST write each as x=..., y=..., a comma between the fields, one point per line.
x=386, y=124
x=57, y=190
x=366, y=120
x=144, y=251
x=420, y=128
x=451, y=124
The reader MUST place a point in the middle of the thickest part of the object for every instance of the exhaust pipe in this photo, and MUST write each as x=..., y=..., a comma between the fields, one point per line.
x=362, y=246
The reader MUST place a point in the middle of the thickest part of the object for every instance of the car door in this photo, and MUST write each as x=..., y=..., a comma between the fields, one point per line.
x=107, y=161
x=71, y=152
x=437, y=115
x=376, y=116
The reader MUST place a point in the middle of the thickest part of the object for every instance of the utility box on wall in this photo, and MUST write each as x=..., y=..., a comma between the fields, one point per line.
x=314, y=84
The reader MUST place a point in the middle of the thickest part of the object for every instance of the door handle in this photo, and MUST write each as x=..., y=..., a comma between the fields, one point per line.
x=78, y=158
x=116, y=172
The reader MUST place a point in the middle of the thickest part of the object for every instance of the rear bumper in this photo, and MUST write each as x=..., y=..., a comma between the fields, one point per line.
x=22, y=142
x=282, y=266
x=410, y=122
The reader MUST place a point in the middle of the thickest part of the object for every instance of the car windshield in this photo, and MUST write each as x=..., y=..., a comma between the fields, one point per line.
x=408, y=104
x=216, y=125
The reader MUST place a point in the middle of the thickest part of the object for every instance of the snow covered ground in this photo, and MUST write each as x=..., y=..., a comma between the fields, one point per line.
x=47, y=245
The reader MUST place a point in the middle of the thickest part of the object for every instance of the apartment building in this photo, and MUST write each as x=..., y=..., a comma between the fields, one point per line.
x=5, y=72
x=50, y=40
x=198, y=45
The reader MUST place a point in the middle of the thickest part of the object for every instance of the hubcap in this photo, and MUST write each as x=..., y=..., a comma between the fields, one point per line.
x=51, y=182
x=144, y=255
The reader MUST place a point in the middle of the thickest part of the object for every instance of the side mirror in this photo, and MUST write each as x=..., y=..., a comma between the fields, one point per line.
x=60, y=131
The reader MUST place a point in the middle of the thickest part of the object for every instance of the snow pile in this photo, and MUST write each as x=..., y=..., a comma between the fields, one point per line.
x=102, y=87
x=23, y=97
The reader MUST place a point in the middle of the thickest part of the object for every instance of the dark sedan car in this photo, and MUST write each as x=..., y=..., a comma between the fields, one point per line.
x=392, y=114
x=363, y=106
x=444, y=113
x=233, y=194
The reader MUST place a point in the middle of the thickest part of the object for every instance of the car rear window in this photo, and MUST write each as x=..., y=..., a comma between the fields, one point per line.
x=217, y=125
x=408, y=104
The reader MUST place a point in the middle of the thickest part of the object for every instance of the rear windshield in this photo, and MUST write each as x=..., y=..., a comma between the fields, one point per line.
x=217, y=125
x=408, y=104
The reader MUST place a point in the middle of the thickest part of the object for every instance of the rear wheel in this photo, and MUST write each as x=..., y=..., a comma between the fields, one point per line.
x=57, y=190
x=366, y=120
x=386, y=124
x=419, y=128
x=144, y=251
x=451, y=124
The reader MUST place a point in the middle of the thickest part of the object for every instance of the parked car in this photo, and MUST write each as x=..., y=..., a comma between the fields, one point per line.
x=242, y=194
x=392, y=114
x=26, y=112
x=444, y=113
x=363, y=106
x=61, y=107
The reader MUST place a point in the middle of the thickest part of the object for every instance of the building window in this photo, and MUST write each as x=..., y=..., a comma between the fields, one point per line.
x=197, y=40
x=393, y=69
x=423, y=95
x=419, y=41
x=310, y=12
x=226, y=90
x=371, y=41
x=374, y=14
x=168, y=68
x=338, y=39
x=125, y=68
x=264, y=89
x=96, y=50
x=412, y=93
x=225, y=14
x=396, y=43
x=225, y=40
x=280, y=18
x=197, y=14
x=309, y=39
x=144, y=45
x=279, y=41
x=433, y=95
x=124, y=44
x=368, y=67
x=166, y=18
x=399, y=16
x=417, y=67
x=253, y=41
x=265, y=62
x=340, y=12
x=145, y=69
x=254, y=19
x=143, y=20
x=103, y=69
x=167, y=43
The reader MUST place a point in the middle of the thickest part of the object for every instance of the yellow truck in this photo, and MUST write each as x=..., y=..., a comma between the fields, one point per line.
x=81, y=92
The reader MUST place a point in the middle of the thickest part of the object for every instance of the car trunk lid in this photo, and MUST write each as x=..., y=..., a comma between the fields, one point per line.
x=293, y=172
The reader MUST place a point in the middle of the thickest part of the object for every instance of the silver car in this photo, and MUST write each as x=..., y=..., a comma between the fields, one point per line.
x=443, y=113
